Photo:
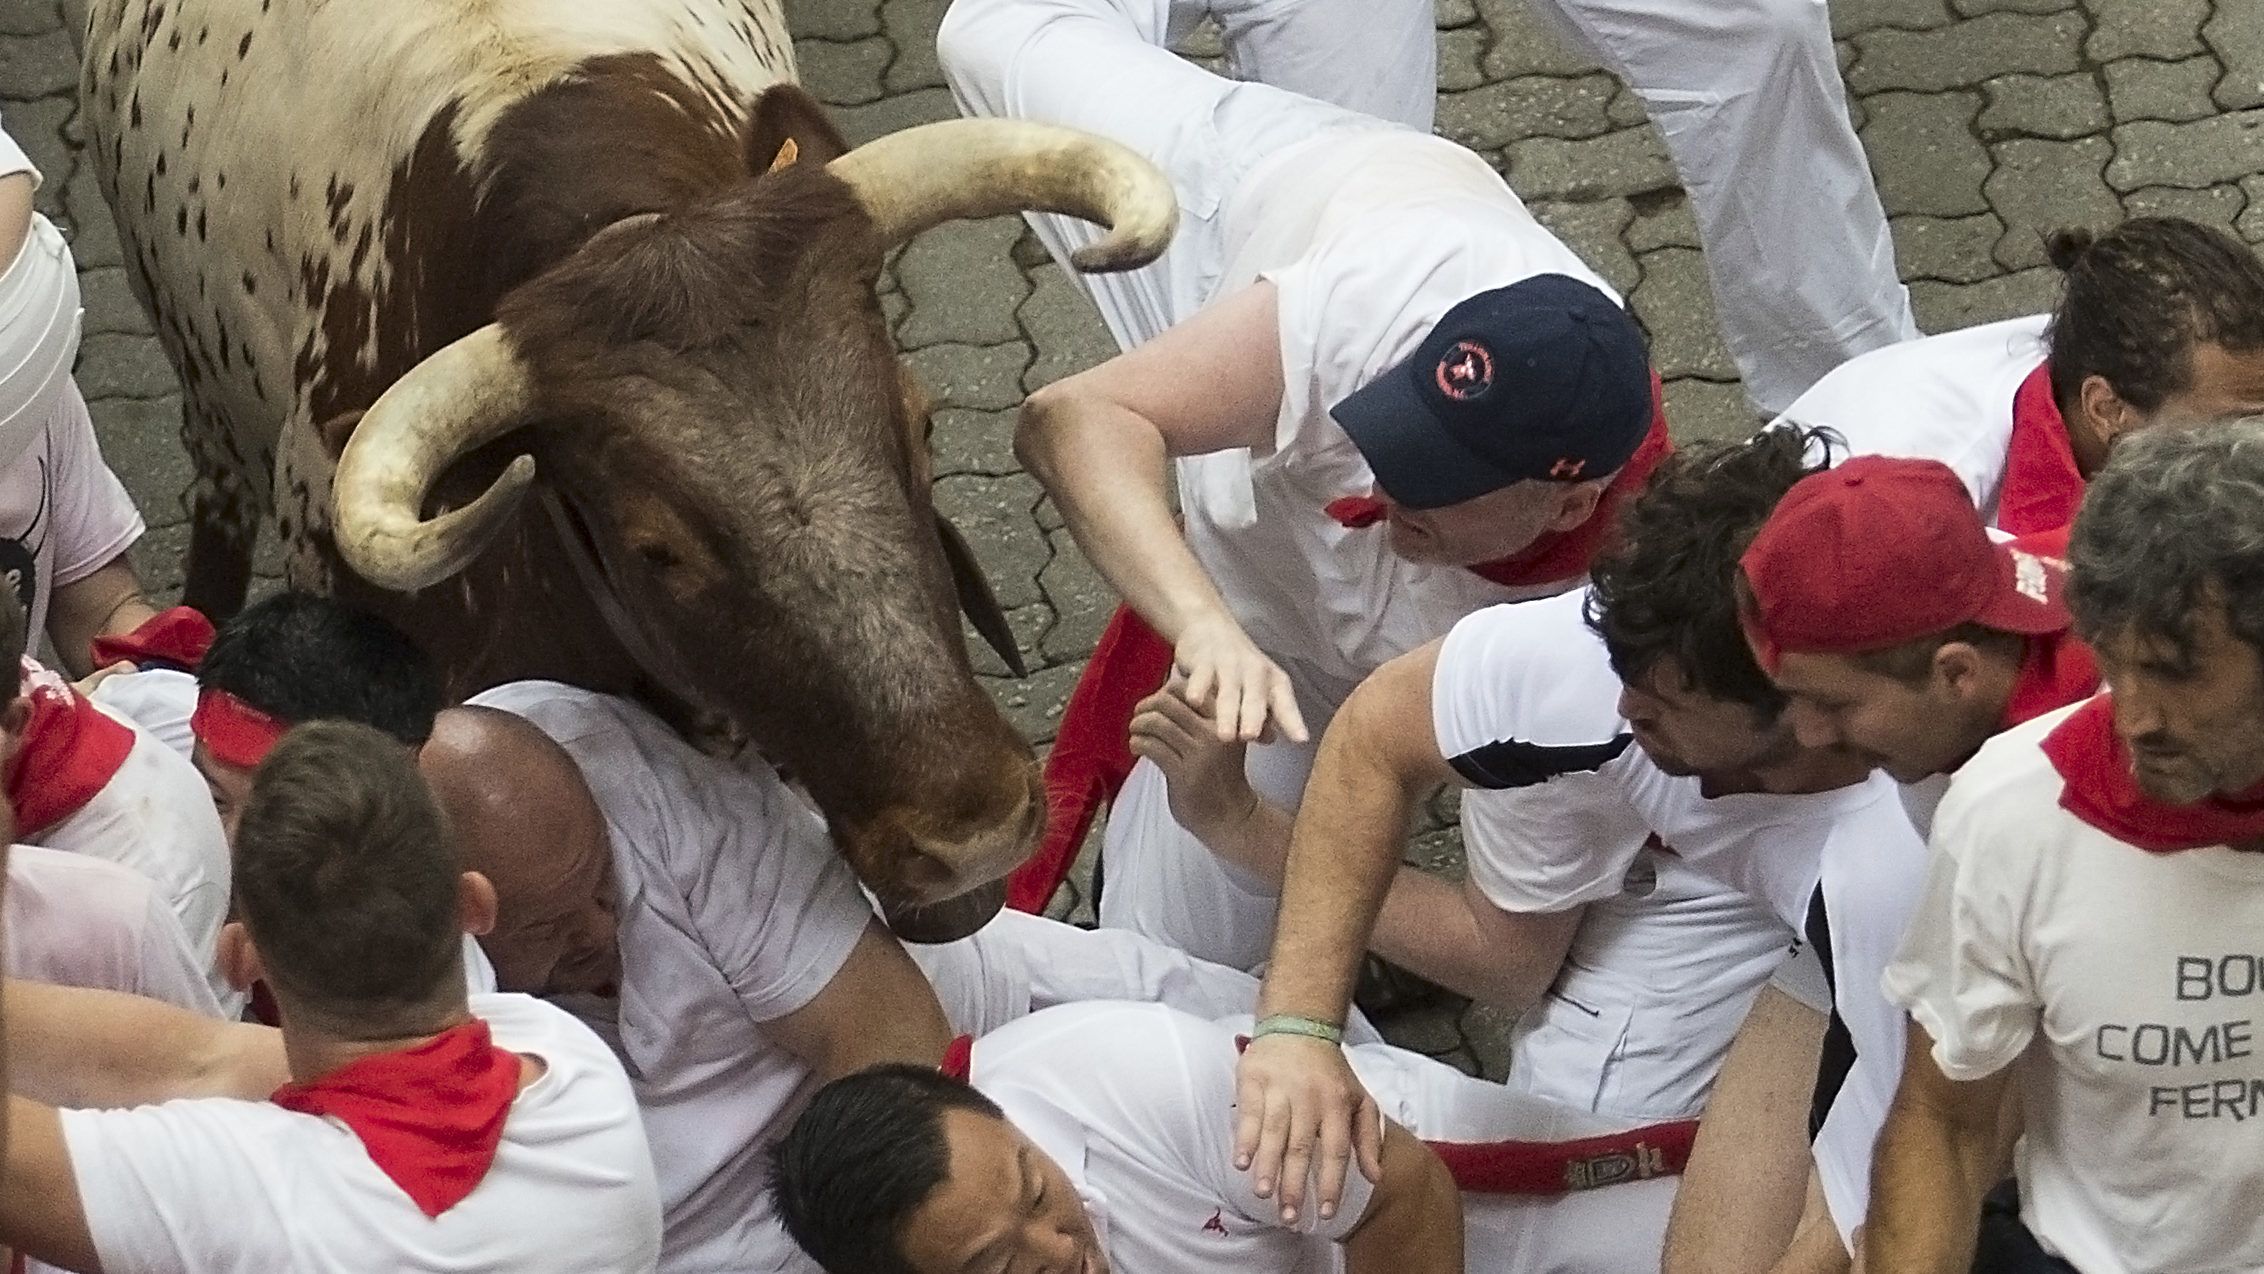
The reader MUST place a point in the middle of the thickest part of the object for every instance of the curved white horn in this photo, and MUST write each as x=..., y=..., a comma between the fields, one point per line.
x=460, y=397
x=961, y=168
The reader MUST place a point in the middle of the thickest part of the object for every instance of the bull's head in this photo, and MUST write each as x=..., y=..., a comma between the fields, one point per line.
x=727, y=442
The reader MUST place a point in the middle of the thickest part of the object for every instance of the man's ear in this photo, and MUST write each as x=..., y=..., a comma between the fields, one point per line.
x=239, y=958
x=475, y=904
x=1957, y=665
x=2105, y=411
x=1577, y=503
x=787, y=113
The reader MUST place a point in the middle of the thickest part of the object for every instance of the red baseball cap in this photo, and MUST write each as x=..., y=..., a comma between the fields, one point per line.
x=1882, y=551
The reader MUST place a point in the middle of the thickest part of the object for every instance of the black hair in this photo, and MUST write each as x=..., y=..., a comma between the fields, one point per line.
x=298, y=657
x=1667, y=586
x=2139, y=298
x=860, y=1160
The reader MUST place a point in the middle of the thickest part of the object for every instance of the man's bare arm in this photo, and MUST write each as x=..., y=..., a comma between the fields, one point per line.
x=1938, y=1156
x=70, y=1046
x=1414, y=1219
x=108, y=601
x=878, y=1008
x=1098, y=442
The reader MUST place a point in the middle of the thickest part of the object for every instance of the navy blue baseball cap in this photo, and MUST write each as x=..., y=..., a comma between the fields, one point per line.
x=1544, y=379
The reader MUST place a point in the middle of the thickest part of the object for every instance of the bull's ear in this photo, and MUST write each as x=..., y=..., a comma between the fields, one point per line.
x=976, y=600
x=335, y=431
x=787, y=113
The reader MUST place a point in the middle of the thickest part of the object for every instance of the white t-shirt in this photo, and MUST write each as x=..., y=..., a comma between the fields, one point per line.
x=1369, y=236
x=1946, y=398
x=159, y=700
x=734, y=910
x=2126, y=985
x=78, y=921
x=224, y=1185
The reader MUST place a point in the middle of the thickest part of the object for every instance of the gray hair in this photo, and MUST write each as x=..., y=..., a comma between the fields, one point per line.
x=2175, y=518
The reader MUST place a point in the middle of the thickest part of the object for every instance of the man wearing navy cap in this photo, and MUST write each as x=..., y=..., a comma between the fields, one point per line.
x=1391, y=397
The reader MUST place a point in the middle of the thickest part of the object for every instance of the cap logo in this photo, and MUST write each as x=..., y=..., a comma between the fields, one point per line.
x=2028, y=576
x=1465, y=371
x=1567, y=469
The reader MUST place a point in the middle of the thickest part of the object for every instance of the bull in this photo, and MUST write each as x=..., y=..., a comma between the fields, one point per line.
x=550, y=330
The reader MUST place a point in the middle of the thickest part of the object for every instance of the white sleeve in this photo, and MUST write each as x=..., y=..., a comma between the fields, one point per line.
x=171, y=1187
x=95, y=520
x=168, y=968
x=1962, y=971
x=776, y=908
x=1525, y=707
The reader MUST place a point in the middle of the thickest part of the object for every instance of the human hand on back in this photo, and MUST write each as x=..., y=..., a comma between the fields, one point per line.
x=1298, y=1108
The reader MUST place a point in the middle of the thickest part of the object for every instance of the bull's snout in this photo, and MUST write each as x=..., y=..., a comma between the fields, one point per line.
x=938, y=882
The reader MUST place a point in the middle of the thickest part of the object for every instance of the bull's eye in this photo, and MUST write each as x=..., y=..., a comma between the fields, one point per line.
x=659, y=555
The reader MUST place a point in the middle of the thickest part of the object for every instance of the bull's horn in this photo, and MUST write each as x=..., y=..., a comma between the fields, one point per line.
x=458, y=398
x=959, y=168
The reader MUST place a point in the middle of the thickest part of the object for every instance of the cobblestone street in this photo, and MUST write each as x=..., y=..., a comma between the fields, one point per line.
x=1987, y=122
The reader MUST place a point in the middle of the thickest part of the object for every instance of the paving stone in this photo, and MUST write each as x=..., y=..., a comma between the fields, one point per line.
x=2206, y=152
x=1709, y=409
x=110, y=303
x=43, y=64
x=30, y=17
x=1871, y=15
x=1967, y=52
x=1972, y=8
x=2061, y=106
x=1449, y=14
x=2236, y=33
x=1063, y=327
x=995, y=513
x=1943, y=306
x=973, y=442
x=981, y=377
x=2252, y=220
x=893, y=308
x=1953, y=249
x=2219, y=206
x=1459, y=54
x=141, y=442
x=1428, y=1029
x=1490, y=1030
x=124, y=367
x=1525, y=43
x=37, y=126
x=160, y=556
x=1942, y=164
x=2142, y=88
x=1082, y=600
x=1676, y=305
x=963, y=284
x=861, y=124
x=1033, y=707
x=94, y=237
x=910, y=26
x=1628, y=162
x=843, y=74
x=2163, y=29
x=1663, y=219
x=1205, y=41
x=834, y=20
x=1594, y=230
x=2041, y=186
x=1627, y=109
x=1536, y=106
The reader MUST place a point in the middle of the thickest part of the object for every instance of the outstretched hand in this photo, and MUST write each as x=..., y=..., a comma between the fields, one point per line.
x=1246, y=695
x=1203, y=777
x=1298, y=1108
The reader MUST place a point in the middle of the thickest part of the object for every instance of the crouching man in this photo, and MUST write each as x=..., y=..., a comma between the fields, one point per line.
x=1098, y=1137
x=391, y=1123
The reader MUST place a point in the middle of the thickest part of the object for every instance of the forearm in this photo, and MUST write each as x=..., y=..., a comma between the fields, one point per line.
x=1256, y=840
x=1414, y=1222
x=69, y=1046
x=1428, y=928
x=1342, y=860
x=1741, y=1203
x=108, y=601
x=1927, y=1185
x=1104, y=466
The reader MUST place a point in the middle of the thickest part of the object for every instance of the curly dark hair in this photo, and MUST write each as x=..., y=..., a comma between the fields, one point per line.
x=2139, y=298
x=1667, y=588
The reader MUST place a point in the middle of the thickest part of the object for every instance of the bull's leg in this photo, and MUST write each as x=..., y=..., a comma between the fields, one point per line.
x=223, y=518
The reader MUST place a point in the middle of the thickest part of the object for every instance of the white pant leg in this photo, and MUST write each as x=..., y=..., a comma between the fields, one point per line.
x=1748, y=96
x=1377, y=59
x=1158, y=879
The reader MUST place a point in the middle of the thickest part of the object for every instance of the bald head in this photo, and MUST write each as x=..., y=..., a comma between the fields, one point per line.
x=524, y=818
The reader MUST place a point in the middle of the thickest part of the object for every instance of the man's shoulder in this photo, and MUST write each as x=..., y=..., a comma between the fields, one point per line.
x=1527, y=688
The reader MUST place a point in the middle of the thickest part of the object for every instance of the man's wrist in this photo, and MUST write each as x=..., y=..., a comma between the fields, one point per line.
x=1298, y=1025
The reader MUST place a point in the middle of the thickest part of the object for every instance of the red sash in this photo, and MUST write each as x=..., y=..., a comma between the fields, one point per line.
x=430, y=1117
x=1092, y=754
x=2099, y=788
x=1560, y=1167
x=71, y=750
x=2042, y=485
x=175, y=639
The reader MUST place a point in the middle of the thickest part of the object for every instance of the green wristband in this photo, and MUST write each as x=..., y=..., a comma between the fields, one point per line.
x=1291, y=1024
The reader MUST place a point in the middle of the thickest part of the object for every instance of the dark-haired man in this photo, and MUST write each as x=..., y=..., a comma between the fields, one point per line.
x=1096, y=1137
x=2159, y=319
x=2087, y=941
x=1644, y=835
x=390, y=1124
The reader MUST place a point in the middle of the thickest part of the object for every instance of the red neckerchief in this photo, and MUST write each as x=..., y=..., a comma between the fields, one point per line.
x=2099, y=788
x=2042, y=485
x=174, y=639
x=1560, y=556
x=69, y=753
x=429, y=1117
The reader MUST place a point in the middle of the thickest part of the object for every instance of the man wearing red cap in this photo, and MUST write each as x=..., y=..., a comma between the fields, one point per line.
x=2159, y=319
x=1390, y=395
x=2087, y=946
x=392, y=1123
